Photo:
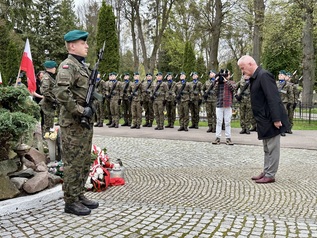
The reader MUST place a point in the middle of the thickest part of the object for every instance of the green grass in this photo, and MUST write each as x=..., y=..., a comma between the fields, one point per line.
x=298, y=124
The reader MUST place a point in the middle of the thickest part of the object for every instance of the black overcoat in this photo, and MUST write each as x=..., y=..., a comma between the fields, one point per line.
x=266, y=104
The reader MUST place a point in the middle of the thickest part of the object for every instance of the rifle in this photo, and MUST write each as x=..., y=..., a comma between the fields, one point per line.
x=155, y=90
x=179, y=95
x=91, y=88
x=211, y=86
x=135, y=90
x=126, y=87
x=239, y=96
x=112, y=88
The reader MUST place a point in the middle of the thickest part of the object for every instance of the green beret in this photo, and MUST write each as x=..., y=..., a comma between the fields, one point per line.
x=114, y=73
x=289, y=74
x=159, y=73
x=182, y=73
x=125, y=74
x=75, y=35
x=169, y=73
x=49, y=64
x=212, y=71
x=282, y=72
x=136, y=73
x=149, y=74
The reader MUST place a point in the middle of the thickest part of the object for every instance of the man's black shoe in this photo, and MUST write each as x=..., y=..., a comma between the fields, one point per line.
x=109, y=123
x=192, y=126
x=156, y=128
x=283, y=134
x=125, y=124
x=88, y=203
x=77, y=208
x=146, y=124
x=247, y=131
x=185, y=129
x=137, y=127
x=133, y=127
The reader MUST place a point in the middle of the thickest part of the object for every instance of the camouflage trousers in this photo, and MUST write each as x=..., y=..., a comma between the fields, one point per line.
x=158, y=109
x=126, y=108
x=170, y=112
x=115, y=110
x=194, y=109
x=100, y=115
x=76, y=156
x=136, y=110
x=49, y=115
x=108, y=112
x=245, y=115
x=183, y=113
x=211, y=114
x=148, y=109
x=290, y=113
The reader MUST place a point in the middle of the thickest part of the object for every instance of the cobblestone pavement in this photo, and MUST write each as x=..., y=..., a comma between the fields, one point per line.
x=186, y=189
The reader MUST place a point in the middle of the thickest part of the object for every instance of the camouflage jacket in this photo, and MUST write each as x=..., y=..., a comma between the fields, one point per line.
x=170, y=95
x=159, y=90
x=209, y=95
x=183, y=95
x=196, y=90
x=47, y=89
x=71, y=90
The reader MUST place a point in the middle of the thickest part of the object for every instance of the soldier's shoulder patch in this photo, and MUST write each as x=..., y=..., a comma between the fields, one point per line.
x=65, y=66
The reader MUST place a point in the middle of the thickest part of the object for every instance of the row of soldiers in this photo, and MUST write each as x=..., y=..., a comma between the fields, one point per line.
x=155, y=96
x=289, y=93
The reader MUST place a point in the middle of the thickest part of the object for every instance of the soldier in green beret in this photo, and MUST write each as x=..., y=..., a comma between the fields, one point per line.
x=71, y=90
x=48, y=104
x=170, y=101
x=126, y=104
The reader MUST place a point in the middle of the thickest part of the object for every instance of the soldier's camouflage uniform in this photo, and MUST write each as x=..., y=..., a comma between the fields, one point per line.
x=170, y=104
x=126, y=104
x=196, y=100
x=99, y=105
x=107, y=102
x=159, y=90
x=148, y=103
x=183, y=99
x=135, y=92
x=286, y=93
x=48, y=103
x=71, y=90
x=245, y=110
x=210, y=100
x=115, y=92
x=293, y=105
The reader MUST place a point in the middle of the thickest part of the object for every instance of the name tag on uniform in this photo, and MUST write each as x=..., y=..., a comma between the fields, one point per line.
x=283, y=91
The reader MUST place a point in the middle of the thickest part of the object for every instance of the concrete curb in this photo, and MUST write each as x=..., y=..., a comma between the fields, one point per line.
x=31, y=201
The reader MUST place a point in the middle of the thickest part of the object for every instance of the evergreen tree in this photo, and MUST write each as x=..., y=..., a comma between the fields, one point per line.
x=66, y=22
x=12, y=62
x=47, y=43
x=106, y=31
x=189, y=58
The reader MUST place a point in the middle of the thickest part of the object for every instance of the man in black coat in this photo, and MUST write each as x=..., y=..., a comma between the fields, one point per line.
x=269, y=113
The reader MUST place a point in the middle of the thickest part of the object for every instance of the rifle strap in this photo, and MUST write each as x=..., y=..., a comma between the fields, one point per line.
x=157, y=87
x=244, y=88
x=113, y=87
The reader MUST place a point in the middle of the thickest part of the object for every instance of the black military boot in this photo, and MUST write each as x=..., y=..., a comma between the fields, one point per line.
x=137, y=127
x=168, y=125
x=253, y=128
x=133, y=127
x=109, y=123
x=192, y=126
x=150, y=124
x=172, y=125
x=156, y=128
x=100, y=124
x=185, y=128
x=247, y=131
x=181, y=129
x=243, y=131
x=209, y=129
x=125, y=124
x=146, y=124
x=112, y=125
x=88, y=203
x=77, y=208
x=96, y=124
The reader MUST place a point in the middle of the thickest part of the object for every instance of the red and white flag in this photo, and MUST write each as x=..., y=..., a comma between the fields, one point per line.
x=28, y=67
x=0, y=78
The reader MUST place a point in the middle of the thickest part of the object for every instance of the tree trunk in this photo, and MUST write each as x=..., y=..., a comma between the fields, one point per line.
x=259, y=9
x=215, y=35
x=308, y=55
